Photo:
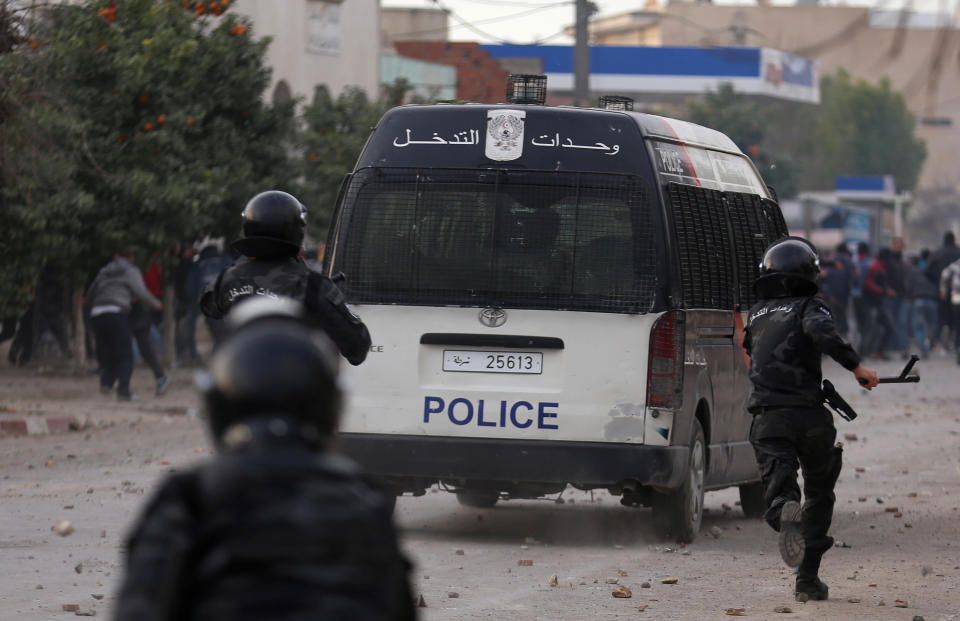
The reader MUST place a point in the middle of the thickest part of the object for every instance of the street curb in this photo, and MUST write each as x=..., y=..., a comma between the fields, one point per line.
x=37, y=425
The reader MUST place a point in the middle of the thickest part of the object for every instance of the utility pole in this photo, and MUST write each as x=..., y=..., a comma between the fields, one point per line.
x=581, y=52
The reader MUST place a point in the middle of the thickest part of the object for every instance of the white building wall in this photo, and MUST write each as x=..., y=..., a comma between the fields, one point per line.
x=319, y=42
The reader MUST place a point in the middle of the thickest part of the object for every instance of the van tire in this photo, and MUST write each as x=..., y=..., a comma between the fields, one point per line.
x=478, y=499
x=678, y=514
x=751, y=500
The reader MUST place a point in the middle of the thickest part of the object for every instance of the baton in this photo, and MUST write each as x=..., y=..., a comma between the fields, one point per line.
x=903, y=378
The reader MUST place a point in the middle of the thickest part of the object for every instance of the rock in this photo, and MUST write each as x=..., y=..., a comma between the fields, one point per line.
x=613, y=580
x=642, y=607
x=68, y=507
x=78, y=568
x=853, y=600
x=86, y=613
x=783, y=609
x=898, y=515
x=716, y=531
x=879, y=501
x=39, y=587
x=453, y=594
x=917, y=618
x=622, y=573
x=926, y=570
x=70, y=607
x=912, y=495
x=622, y=592
x=554, y=581
x=645, y=585
x=803, y=598
x=860, y=469
x=669, y=581
x=459, y=552
x=97, y=596
x=421, y=603
x=901, y=603
x=862, y=499
x=63, y=527
x=891, y=509
x=525, y=562
x=735, y=612
x=850, y=437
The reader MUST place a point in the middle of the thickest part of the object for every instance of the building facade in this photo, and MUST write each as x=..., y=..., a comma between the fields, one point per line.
x=917, y=53
x=330, y=42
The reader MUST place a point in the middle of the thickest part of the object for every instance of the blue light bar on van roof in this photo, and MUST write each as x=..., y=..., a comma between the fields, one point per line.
x=676, y=70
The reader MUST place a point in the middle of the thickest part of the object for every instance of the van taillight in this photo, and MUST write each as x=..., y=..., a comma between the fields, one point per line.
x=665, y=365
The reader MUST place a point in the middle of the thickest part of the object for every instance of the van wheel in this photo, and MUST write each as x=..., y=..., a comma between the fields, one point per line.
x=751, y=500
x=478, y=498
x=678, y=514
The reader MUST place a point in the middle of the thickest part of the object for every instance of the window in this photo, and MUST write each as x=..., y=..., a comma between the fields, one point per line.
x=521, y=239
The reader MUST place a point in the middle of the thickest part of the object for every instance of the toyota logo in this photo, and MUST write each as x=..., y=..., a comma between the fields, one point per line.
x=493, y=317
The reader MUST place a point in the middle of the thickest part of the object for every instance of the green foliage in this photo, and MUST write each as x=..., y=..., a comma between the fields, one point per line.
x=864, y=129
x=747, y=122
x=133, y=124
x=333, y=134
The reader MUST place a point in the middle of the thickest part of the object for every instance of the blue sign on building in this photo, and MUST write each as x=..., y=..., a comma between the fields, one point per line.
x=677, y=70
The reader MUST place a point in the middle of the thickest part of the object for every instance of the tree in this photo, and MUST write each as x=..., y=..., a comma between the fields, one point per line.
x=134, y=124
x=864, y=129
x=333, y=134
x=747, y=123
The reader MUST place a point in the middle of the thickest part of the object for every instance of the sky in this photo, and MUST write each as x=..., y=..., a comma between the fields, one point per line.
x=529, y=21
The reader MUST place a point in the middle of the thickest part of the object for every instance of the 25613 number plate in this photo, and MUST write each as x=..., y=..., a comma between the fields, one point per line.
x=493, y=361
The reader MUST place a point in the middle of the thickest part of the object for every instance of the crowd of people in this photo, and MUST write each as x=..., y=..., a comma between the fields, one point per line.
x=899, y=302
x=122, y=314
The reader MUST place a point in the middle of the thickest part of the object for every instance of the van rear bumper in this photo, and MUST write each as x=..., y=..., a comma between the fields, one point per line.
x=589, y=464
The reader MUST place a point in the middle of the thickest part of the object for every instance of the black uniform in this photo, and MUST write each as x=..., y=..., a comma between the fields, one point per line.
x=269, y=529
x=791, y=428
x=290, y=277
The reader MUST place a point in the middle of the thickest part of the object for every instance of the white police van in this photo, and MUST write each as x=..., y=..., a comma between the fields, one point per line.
x=551, y=296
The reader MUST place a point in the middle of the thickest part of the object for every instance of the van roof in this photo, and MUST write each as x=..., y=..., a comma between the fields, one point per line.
x=651, y=125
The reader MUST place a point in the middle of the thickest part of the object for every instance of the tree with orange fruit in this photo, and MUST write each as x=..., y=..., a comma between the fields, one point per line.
x=133, y=123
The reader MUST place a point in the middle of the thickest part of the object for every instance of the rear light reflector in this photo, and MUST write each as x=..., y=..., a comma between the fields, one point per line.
x=665, y=363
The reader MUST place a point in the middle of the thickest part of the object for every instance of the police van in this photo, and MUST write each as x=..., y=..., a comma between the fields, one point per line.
x=551, y=293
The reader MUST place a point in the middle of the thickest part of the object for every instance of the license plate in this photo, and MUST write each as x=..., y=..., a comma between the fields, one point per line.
x=493, y=361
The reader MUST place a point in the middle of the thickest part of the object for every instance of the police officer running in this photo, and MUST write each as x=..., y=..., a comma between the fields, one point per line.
x=273, y=227
x=276, y=525
x=786, y=333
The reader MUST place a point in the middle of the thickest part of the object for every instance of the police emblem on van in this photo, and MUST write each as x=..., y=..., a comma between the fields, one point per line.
x=493, y=317
x=504, y=134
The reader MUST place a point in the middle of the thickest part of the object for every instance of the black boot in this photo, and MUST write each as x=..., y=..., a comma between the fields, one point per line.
x=808, y=589
x=791, y=541
x=809, y=586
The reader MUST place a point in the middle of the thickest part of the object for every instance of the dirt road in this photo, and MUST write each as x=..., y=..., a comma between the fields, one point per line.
x=897, y=510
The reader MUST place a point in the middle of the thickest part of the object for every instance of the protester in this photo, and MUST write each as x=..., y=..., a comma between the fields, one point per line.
x=939, y=260
x=277, y=525
x=898, y=304
x=924, y=300
x=110, y=299
x=48, y=311
x=876, y=289
x=950, y=292
x=141, y=323
x=837, y=284
x=861, y=310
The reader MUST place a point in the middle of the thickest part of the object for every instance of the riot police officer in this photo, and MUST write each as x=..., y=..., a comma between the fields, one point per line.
x=786, y=333
x=276, y=525
x=273, y=227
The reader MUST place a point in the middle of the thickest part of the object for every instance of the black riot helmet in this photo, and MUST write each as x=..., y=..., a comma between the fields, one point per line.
x=790, y=267
x=273, y=366
x=274, y=223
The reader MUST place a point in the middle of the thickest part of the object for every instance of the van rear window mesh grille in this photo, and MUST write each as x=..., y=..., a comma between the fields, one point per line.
x=509, y=238
x=703, y=246
x=756, y=224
